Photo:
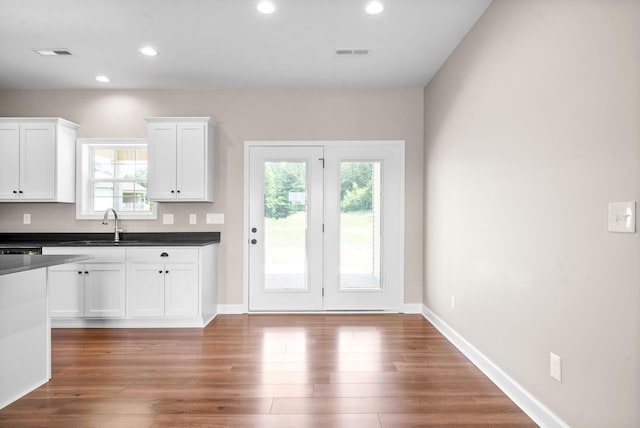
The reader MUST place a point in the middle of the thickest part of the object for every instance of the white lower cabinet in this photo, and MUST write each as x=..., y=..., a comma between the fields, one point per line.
x=104, y=291
x=90, y=290
x=145, y=294
x=66, y=291
x=134, y=287
x=180, y=290
x=162, y=290
x=163, y=281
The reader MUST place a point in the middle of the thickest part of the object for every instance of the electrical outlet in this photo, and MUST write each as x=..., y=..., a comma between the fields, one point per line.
x=555, y=366
x=453, y=301
x=26, y=218
x=622, y=217
x=167, y=218
x=193, y=219
x=215, y=218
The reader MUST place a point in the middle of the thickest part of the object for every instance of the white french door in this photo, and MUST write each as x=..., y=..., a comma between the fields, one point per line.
x=364, y=227
x=285, y=236
x=325, y=226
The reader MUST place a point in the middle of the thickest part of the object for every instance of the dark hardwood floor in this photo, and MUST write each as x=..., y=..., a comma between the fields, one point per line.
x=265, y=371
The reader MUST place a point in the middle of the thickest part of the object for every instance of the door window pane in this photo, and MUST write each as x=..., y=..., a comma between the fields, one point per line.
x=360, y=228
x=285, y=237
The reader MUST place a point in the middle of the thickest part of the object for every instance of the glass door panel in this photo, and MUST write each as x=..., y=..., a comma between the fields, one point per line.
x=285, y=226
x=360, y=225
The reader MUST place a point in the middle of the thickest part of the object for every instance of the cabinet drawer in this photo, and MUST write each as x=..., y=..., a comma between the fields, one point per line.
x=163, y=255
x=100, y=254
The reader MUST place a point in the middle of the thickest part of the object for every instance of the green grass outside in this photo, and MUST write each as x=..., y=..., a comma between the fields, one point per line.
x=285, y=240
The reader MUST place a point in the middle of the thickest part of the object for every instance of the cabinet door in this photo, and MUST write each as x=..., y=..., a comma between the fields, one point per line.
x=191, y=160
x=162, y=161
x=181, y=290
x=104, y=291
x=66, y=291
x=9, y=161
x=37, y=161
x=145, y=290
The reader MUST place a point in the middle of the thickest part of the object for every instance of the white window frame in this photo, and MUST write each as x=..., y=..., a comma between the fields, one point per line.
x=84, y=192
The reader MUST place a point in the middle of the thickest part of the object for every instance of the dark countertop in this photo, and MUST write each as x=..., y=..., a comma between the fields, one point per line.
x=12, y=263
x=127, y=239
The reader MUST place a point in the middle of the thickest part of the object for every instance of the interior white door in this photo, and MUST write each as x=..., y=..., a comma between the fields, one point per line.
x=285, y=222
x=364, y=226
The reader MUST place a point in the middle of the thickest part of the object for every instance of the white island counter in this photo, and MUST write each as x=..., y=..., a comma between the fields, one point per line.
x=25, y=328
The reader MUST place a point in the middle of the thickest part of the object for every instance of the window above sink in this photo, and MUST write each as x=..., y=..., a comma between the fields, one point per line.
x=112, y=173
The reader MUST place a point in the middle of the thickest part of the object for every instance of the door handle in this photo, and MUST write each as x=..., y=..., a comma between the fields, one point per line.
x=254, y=241
x=164, y=255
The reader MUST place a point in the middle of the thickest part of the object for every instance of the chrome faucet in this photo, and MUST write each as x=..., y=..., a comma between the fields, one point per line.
x=105, y=220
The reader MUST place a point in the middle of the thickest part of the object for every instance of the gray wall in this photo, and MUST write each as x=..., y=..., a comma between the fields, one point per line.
x=532, y=127
x=241, y=115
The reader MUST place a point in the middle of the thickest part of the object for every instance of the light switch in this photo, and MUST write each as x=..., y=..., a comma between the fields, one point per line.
x=622, y=217
x=26, y=218
x=215, y=218
x=167, y=218
x=193, y=219
x=555, y=366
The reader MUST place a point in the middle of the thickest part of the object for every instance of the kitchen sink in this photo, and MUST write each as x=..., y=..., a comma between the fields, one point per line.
x=98, y=242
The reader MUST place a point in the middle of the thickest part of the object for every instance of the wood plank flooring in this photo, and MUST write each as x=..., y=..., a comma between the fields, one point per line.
x=266, y=371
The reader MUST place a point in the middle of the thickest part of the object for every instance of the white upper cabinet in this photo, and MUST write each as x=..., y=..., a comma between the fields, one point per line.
x=181, y=158
x=37, y=160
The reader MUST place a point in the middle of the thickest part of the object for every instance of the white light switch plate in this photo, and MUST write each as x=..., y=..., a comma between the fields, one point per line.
x=622, y=217
x=167, y=218
x=193, y=219
x=215, y=218
x=26, y=218
x=555, y=366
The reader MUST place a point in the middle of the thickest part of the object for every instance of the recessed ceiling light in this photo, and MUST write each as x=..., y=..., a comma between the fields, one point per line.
x=374, y=7
x=148, y=51
x=266, y=7
x=102, y=79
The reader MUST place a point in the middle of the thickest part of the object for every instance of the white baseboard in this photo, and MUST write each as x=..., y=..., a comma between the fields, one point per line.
x=407, y=308
x=231, y=309
x=131, y=322
x=537, y=411
x=413, y=308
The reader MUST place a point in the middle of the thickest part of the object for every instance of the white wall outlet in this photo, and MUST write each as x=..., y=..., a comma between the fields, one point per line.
x=167, y=218
x=215, y=218
x=555, y=366
x=26, y=218
x=622, y=217
x=193, y=219
x=453, y=301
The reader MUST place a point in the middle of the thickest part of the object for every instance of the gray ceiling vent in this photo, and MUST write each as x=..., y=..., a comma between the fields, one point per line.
x=52, y=52
x=352, y=52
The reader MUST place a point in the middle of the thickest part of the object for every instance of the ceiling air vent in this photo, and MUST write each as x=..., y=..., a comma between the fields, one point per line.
x=52, y=52
x=352, y=52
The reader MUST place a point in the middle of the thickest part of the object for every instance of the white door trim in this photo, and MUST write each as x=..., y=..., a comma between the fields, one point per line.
x=300, y=143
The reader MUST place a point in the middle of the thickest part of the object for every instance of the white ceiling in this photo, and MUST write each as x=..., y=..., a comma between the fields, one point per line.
x=228, y=44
